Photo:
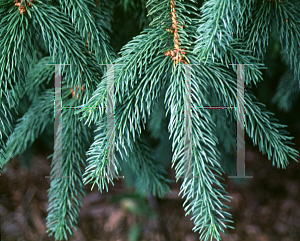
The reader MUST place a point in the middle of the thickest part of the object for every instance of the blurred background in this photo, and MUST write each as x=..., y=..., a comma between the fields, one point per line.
x=264, y=208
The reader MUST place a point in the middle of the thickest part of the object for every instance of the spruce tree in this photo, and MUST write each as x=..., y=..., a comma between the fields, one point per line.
x=149, y=78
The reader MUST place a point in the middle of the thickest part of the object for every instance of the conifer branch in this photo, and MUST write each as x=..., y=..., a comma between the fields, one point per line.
x=85, y=24
x=262, y=127
x=287, y=91
x=39, y=75
x=96, y=170
x=15, y=48
x=65, y=47
x=81, y=18
x=6, y=120
x=66, y=194
x=216, y=28
x=158, y=119
x=140, y=156
x=288, y=29
x=105, y=16
x=136, y=106
x=204, y=199
x=218, y=37
x=15, y=56
x=30, y=126
x=147, y=81
x=259, y=30
x=151, y=176
x=267, y=133
x=137, y=55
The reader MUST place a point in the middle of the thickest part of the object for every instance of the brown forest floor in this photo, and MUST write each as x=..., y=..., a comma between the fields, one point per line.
x=266, y=208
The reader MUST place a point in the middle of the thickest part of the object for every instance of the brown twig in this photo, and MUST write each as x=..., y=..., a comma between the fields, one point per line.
x=21, y=5
x=178, y=55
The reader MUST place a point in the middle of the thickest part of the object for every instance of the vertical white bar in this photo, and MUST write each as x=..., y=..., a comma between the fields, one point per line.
x=240, y=164
x=241, y=121
x=188, y=168
x=57, y=156
x=110, y=121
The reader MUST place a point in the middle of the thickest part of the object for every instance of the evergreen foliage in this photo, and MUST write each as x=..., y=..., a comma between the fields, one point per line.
x=149, y=77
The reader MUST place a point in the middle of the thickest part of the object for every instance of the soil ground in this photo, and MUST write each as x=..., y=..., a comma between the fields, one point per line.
x=265, y=208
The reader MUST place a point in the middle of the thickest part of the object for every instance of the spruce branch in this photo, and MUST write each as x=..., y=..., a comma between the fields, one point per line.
x=158, y=120
x=85, y=24
x=216, y=27
x=30, y=126
x=96, y=169
x=260, y=28
x=105, y=15
x=215, y=93
x=41, y=106
x=204, y=199
x=94, y=109
x=81, y=18
x=138, y=56
x=66, y=194
x=260, y=126
x=218, y=37
x=287, y=23
x=104, y=53
x=6, y=127
x=66, y=47
x=38, y=76
x=267, y=133
x=140, y=156
x=16, y=54
x=151, y=176
x=288, y=29
x=136, y=68
x=137, y=106
x=152, y=71
x=287, y=91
